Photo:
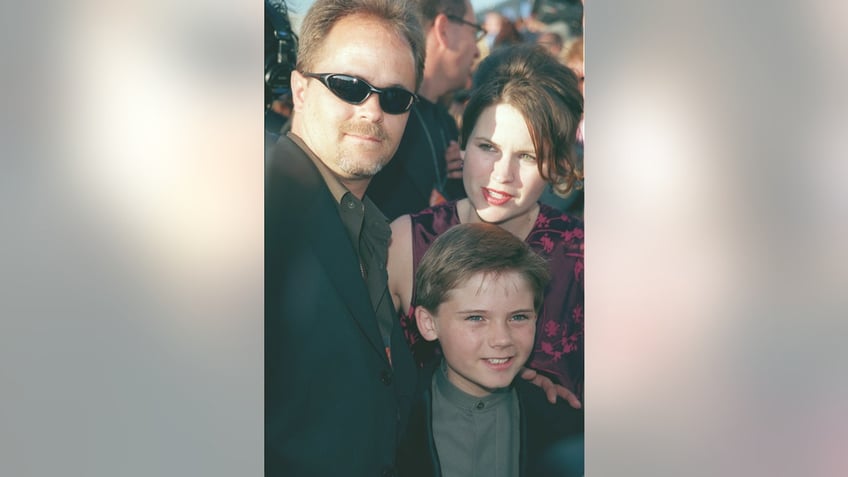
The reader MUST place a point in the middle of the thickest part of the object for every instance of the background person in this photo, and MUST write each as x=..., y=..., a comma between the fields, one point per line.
x=427, y=166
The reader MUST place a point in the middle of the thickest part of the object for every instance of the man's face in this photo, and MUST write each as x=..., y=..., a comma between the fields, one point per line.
x=354, y=141
x=462, y=40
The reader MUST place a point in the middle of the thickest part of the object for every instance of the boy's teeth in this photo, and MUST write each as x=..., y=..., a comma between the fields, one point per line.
x=498, y=361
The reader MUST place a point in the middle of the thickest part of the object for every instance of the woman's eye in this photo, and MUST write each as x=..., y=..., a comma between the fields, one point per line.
x=528, y=157
x=474, y=318
x=484, y=146
x=520, y=317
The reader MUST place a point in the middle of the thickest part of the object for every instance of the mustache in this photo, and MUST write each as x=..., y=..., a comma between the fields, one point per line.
x=364, y=129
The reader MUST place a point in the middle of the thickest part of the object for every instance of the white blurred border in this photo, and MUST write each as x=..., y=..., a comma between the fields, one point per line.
x=131, y=299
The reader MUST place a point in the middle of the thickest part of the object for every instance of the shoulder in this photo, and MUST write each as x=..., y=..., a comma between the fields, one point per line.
x=558, y=219
x=288, y=170
x=400, y=244
x=552, y=434
x=557, y=230
x=545, y=420
x=294, y=189
x=401, y=240
x=442, y=215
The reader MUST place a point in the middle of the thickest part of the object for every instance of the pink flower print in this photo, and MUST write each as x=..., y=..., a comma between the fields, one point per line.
x=551, y=329
x=547, y=348
x=578, y=269
x=577, y=314
x=547, y=243
x=543, y=221
x=571, y=343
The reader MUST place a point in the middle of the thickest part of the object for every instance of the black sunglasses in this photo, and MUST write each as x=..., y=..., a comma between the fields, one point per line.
x=479, y=31
x=355, y=90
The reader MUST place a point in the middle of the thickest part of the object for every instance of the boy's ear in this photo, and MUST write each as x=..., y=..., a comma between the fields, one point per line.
x=426, y=324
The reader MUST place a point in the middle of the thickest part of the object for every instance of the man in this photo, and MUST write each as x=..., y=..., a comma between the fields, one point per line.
x=427, y=166
x=338, y=375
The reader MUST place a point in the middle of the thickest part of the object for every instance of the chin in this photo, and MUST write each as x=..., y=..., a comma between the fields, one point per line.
x=497, y=387
x=492, y=214
x=363, y=168
x=500, y=382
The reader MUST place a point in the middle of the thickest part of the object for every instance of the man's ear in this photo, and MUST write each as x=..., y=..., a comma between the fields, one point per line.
x=298, y=87
x=426, y=324
x=440, y=29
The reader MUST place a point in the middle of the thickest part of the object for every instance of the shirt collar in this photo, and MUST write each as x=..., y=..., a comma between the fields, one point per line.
x=336, y=187
x=463, y=400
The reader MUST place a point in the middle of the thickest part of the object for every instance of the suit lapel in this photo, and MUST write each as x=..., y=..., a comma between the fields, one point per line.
x=332, y=246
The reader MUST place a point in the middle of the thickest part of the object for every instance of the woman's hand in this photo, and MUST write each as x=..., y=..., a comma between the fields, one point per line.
x=551, y=390
x=453, y=158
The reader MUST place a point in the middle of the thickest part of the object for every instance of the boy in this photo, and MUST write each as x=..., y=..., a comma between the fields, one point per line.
x=478, y=289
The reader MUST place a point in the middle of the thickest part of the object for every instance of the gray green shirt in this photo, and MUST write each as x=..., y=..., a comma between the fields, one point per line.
x=475, y=436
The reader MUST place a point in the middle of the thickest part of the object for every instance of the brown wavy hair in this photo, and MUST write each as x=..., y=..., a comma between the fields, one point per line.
x=546, y=93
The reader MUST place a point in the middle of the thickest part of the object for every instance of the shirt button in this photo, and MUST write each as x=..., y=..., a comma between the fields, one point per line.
x=480, y=405
x=386, y=377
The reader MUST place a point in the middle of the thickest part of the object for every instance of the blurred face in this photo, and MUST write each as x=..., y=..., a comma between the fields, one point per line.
x=354, y=141
x=463, y=45
x=550, y=43
x=486, y=329
x=492, y=22
x=500, y=174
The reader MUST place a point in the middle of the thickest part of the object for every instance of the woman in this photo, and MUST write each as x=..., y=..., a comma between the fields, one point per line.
x=518, y=135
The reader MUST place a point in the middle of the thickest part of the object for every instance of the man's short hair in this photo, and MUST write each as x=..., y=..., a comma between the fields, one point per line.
x=468, y=249
x=399, y=15
x=430, y=9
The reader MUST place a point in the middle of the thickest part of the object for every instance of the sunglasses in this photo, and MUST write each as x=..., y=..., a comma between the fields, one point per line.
x=355, y=90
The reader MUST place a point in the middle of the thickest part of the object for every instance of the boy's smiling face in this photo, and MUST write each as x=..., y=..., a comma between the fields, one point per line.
x=486, y=328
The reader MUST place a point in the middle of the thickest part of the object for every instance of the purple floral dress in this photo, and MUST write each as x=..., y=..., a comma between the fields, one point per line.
x=558, y=350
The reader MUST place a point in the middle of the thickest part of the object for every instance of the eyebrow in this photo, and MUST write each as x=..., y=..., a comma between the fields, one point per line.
x=393, y=85
x=523, y=310
x=523, y=151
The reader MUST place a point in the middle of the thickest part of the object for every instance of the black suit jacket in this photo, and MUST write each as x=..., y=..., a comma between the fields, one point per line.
x=333, y=403
x=551, y=435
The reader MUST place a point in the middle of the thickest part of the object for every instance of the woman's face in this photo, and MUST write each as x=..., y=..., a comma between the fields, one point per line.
x=500, y=173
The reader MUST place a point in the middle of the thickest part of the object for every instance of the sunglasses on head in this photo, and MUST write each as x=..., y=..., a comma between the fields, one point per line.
x=355, y=90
